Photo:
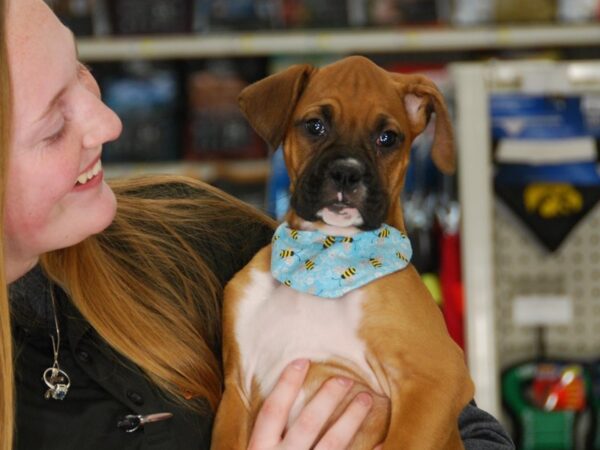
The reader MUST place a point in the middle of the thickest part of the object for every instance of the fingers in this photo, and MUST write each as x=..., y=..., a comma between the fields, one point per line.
x=273, y=415
x=343, y=430
x=310, y=422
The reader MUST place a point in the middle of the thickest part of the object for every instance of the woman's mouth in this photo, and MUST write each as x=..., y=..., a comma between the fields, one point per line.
x=86, y=176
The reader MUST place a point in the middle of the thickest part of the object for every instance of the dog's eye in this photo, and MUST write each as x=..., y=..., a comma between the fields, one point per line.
x=315, y=127
x=387, y=139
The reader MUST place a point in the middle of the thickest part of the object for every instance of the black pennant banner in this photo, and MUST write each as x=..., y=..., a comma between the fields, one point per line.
x=550, y=210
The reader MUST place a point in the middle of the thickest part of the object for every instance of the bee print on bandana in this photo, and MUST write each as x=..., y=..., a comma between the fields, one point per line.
x=384, y=234
x=382, y=237
x=402, y=257
x=328, y=241
x=347, y=242
x=330, y=266
x=375, y=263
x=286, y=253
x=288, y=256
x=344, y=276
x=349, y=273
x=309, y=264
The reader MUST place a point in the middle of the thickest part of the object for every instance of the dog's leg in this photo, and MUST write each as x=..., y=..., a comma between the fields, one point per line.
x=420, y=420
x=231, y=429
x=426, y=401
x=424, y=370
x=455, y=441
x=234, y=420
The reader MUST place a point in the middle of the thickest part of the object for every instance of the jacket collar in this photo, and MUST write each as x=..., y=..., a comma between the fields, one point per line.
x=31, y=307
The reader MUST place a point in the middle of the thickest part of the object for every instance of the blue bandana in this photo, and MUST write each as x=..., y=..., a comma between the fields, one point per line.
x=330, y=266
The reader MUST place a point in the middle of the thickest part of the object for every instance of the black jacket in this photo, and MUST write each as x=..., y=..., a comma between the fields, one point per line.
x=105, y=387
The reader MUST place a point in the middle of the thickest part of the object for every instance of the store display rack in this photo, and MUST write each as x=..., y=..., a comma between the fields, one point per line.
x=238, y=44
x=490, y=234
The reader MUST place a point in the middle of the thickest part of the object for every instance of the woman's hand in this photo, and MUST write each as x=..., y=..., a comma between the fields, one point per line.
x=302, y=434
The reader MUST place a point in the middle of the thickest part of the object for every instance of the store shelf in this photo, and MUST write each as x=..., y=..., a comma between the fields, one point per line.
x=238, y=171
x=336, y=41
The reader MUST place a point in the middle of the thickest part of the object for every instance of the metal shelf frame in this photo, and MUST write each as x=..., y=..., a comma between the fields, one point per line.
x=343, y=41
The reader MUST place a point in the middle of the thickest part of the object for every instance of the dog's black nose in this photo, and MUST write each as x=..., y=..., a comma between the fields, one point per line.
x=346, y=173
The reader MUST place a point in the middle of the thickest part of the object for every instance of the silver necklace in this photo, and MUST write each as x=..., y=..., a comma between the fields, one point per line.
x=54, y=377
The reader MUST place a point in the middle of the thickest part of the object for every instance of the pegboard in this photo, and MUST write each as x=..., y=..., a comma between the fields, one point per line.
x=524, y=267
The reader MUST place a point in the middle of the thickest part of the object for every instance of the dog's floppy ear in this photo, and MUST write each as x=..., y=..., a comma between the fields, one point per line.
x=421, y=98
x=268, y=103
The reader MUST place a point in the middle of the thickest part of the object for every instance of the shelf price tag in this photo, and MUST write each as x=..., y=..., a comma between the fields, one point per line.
x=246, y=43
x=545, y=80
x=504, y=37
x=323, y=41
x=413, y=39
x=541, y=310
x=146, y=48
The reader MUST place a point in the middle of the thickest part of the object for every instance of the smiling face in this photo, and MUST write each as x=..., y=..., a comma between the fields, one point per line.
x=55, y=195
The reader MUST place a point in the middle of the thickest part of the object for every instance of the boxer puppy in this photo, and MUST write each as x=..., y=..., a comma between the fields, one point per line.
x=362, y=311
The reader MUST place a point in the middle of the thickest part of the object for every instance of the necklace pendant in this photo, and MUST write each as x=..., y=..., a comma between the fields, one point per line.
x=57, y=380
x=59, y=392
x=58, y=383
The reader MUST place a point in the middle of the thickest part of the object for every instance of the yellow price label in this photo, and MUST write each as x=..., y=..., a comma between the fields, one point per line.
x=504, y=36
x=323, y=41
x=413, y=39
x=247, y=44
x=146, y=48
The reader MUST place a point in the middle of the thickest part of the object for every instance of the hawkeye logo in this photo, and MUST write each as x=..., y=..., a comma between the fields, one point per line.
x=552, y=200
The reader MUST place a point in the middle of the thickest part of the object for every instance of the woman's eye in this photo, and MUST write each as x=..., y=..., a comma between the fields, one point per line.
x=56, y=137
x=315, y=127
x=387, y=139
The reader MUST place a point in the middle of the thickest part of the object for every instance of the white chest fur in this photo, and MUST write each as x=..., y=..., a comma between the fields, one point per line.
x=276, y=324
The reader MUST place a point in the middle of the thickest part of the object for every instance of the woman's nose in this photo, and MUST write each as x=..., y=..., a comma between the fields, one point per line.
x=103, y=126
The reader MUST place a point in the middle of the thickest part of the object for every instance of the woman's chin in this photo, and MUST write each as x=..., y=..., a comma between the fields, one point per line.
x=108, y=210
x=98, y=215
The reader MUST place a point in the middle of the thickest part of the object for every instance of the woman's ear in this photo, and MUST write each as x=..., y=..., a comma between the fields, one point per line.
x=268, y=104
x=422, y=97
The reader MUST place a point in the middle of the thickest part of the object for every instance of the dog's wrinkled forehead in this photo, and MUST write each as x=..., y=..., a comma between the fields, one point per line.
x=352, y=81
x=351, y=75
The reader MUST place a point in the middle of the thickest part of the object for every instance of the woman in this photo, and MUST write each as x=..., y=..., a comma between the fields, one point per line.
x=116, y=331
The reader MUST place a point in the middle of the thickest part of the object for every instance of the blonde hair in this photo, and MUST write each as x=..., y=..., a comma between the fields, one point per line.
x=150, y=286
x=7, y=417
